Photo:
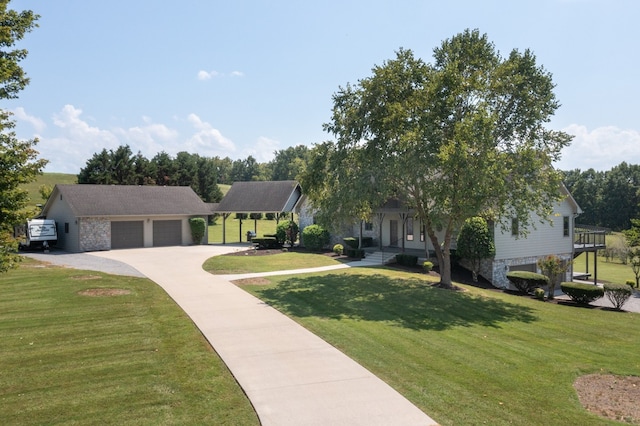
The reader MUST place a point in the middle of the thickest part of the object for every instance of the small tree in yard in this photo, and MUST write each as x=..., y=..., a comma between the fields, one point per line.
x=287, y=232
x=475, y=243
x=552, y=266
x=634, y=260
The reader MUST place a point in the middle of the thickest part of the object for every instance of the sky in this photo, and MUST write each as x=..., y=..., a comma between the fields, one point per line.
x=239, y=78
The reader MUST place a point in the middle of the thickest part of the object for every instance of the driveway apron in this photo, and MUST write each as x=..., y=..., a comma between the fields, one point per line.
x=291, y=376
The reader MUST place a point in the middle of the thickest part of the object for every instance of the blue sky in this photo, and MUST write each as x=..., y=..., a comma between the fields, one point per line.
x=241, y=78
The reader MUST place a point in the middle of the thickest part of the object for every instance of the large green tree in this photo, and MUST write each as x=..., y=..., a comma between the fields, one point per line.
x=451, y=139
x=19, y=161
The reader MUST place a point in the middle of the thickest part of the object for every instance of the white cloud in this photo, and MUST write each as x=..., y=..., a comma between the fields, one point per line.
x=21, y=115
x=601, y=149
x=207, y=140
x=263, y=150
x=207, y=75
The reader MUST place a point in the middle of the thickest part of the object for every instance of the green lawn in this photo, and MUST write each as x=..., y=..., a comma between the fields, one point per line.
x=612, y=271
x=133, y=359
x=50, y=179
x=232, y=229
x=276, y=262
x=465, y=358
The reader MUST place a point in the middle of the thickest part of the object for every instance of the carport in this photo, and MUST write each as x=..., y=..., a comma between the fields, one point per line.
x=258, y=197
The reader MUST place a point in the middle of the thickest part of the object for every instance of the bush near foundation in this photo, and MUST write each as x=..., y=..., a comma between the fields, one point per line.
x=617, y=294
x=315, y=237
x=525, y=281
x=406, y=259
x=581, y=293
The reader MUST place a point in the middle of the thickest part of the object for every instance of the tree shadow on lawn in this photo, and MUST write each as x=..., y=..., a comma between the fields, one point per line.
x=409, y=303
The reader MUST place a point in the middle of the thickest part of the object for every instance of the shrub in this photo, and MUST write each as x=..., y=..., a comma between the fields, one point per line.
x=315, y=237
x=406, y=259
x=427, y=266
x=525, y=281
x=354, y=253
x=630, y=283
x=367, y=241
x=581, y=293
x=270, y=216
x=287, y=232
x=266, y=242
x=351, y=242
x=617, y=294
x=538, y=293
x=338, y=249
x=198, y=226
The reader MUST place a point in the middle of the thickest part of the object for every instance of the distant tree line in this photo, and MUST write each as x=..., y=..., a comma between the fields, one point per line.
x=609, y=199
x=122, y=167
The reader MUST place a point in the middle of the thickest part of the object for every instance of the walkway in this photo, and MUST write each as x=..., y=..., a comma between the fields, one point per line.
x=291, y=376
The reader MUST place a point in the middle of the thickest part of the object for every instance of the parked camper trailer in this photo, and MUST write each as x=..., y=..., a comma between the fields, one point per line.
x=37, y=233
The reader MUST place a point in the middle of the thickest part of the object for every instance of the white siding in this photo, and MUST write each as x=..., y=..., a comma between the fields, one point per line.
x=61, y=213
x=547, y=238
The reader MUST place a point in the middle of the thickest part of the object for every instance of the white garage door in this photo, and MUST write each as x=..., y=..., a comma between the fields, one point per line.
x=167, y=233
x=127, y=234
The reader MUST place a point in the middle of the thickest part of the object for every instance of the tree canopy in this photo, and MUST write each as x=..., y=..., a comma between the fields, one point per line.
x=462, y=136
x=19, y=161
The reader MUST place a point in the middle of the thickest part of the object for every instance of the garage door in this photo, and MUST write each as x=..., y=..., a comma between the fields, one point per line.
x=128, y=234
x=167, y=233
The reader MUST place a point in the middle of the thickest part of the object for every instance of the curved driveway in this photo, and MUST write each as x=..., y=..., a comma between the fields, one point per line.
x=291, y=376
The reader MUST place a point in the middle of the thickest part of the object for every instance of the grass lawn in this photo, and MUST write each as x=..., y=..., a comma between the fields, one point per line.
x=276, y=262
x=50, y=179
x=127, y=359
x=465, y=358
x=232, y=229
x=612, y=271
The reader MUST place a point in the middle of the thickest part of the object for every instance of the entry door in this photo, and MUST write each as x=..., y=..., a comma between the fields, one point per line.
x=393, y=233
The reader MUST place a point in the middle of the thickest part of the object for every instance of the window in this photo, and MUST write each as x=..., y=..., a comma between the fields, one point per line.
x=410, y=229
x=66, y=227
x=514, y=227
x=422, y=232
x=368, y=226
x=565, y=226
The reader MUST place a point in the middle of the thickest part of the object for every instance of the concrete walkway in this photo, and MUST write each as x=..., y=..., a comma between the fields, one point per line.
x=291, y=376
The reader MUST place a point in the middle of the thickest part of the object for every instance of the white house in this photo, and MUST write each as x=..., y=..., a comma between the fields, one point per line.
x=395, y=227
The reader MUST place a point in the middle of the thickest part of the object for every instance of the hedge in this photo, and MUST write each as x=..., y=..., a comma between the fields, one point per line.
x=582, y=293
x=266, y=242
x=406, y=259
x=527, y=281
x=198, y=226
x=354, y=252
x=315, y=237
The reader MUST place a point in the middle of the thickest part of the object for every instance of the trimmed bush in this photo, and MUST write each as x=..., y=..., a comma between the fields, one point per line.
x=315, y=237
x=630, y=283
x=354, y=253
x=338, y=249
x=538, y=293
x=617, y=294
x=367, y=241
x=351, y=242
x=427, y=266
x=198, y=226
x=525, y=281
x=266, y=242
x=581, y=293
x=406, y=259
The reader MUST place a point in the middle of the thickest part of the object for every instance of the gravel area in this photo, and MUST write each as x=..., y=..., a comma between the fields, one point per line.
x=84, y=261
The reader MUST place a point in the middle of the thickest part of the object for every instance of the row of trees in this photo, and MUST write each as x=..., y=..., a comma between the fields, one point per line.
x=122, y=167
x=609, y=199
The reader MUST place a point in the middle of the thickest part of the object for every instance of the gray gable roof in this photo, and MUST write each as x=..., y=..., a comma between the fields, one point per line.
x=128, y=200
x=261, y=197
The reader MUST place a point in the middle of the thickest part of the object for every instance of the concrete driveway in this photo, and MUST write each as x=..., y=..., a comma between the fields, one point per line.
x=291, y=376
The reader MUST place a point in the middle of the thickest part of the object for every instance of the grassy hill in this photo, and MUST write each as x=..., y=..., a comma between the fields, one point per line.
x=50, y=179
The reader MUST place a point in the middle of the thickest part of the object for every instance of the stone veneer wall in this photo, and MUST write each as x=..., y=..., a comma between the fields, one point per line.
x=94, y=233
x=496, y=271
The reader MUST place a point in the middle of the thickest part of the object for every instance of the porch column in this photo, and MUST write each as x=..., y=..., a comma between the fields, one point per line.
x=224, y=227
x=380, y=219
x=403, y=218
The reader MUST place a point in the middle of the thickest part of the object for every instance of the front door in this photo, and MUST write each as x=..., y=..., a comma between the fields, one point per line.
x=393, y=233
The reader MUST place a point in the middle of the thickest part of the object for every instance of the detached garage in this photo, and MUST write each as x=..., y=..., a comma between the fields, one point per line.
x=105, y=217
